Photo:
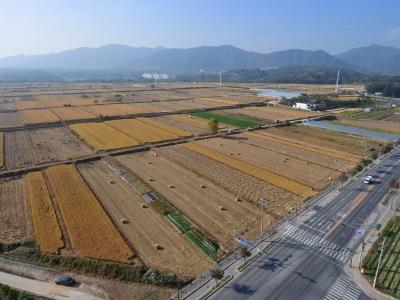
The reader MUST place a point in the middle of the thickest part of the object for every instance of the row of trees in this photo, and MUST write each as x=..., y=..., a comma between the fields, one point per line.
x=389, y=89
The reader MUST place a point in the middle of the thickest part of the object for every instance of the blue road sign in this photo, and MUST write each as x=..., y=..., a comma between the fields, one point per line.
x=360, y=231
x=244, y=243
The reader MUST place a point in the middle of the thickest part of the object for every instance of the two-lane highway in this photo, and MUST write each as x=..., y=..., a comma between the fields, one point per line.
x=308, y=262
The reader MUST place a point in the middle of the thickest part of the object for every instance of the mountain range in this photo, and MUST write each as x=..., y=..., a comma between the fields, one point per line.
x=121, y=60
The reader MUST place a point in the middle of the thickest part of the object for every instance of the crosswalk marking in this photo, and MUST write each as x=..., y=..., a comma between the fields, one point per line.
x=318, y=243
x=343, y=288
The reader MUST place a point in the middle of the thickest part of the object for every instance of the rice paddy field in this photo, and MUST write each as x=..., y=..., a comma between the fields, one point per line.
x=72, y=113
x=38, y=116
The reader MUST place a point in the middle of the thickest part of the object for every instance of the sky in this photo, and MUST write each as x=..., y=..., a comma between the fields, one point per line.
x=45, y=26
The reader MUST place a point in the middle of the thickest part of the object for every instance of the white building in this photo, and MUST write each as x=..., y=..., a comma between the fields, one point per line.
x=303, y=106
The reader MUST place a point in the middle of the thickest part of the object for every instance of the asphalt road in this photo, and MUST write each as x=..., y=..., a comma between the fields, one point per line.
x=308, y=262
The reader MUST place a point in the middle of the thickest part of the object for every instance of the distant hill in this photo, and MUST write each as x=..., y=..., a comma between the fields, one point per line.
x=378, y=59
x=208, y=58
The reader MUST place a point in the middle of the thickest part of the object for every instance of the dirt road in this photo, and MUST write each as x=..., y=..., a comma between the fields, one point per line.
x=42, y=288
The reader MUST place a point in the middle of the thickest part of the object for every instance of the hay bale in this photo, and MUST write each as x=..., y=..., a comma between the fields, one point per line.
x=124, y=221
x=151, y=179
x=171, y=186
x=222, y=208
x=111, y=181
x=144, y=205
x=203, y=186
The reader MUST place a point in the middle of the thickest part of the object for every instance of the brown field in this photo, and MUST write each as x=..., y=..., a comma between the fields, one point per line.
x=201, y=205
x=100, y=136
x=380, y=125
x=194, y=121
x=31, y=147
x=48, y=234
x=219, y=101
x=42, y=101
x=296, y=151
x=300, y=171
x=90, y=230
x=10, y=119
x=146, y=227
x=181, y=124
x=1, y=150
x=72, y=113
x=244, y=186
x=253, y=170
x=15, y=223
x=394, y=118
x=345, y=146
x=141, y=131
x=37, y=116
x=274, y=113
x=113, y=109
x=164, y=127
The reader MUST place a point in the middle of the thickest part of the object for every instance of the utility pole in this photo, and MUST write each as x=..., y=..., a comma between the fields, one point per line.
x=362, y=246
x=337, y=82
x=234, y=241
x=177, y=280
x=351, y=257
x=379, y=262
x=220, y=79
x=263, y=203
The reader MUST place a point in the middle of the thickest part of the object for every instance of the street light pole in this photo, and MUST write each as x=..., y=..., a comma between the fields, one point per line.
x=362, y=246
x=379, y=262
x=263, y=203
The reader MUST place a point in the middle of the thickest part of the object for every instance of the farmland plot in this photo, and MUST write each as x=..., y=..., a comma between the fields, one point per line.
x=387, y=126
x=90, y=230
x=10, y=119
x=38, y=116
x=112, y=109
x=1, y=150
x=15, y=223
x=48, y=234
x=394, y=118
x=212, y=209
x=295, y=151
x=167, y=128
x=299, y=171
x=72, y=113
x=141, y=131
x=332, y=141
x=100, y=136
x=253, y=170
x=244, y=186
x=182, y=125
x=146, y=227
x=274, y=113
x=31, y=147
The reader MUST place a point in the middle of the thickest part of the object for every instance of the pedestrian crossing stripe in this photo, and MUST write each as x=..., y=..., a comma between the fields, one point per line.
x=318, y=243
x=343, y=288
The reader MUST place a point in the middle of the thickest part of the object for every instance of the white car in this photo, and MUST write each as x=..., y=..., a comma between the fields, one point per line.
x=368, y=179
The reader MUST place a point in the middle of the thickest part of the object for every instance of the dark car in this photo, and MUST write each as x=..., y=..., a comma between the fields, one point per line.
x=65, y=280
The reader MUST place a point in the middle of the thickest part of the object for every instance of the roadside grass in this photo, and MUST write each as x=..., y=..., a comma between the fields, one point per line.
x=228, y=120
x=378, y=114
x=389, y=276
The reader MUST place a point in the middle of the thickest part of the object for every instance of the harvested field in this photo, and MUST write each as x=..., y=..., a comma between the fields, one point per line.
x=244, y=186
x=335, y=142
x=197, y=122
x=72, y=113
x=202, y=205
x=112, y=109
x=300, y=171
x=1, y=150
x=253, y=170
x=219, y=101
x=42, y=101
x=90, y=230
x=48, y=234
x=146, y=227
x=141, y=131
x=394, y=118
x=10, y=119
x=100, y=136
x=273, y=113
x=164, y=127
x=185, y=126
x=386, y=126
x=37, y=116
x=31, y=147
x=297, y=151
x=233, y=121
x=15, y=223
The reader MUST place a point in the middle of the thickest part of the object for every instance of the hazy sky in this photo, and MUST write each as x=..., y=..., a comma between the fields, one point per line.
x=42, y=26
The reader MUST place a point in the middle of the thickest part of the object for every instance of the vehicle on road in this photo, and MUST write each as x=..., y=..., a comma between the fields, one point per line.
x=368, y=179
x=65, y=281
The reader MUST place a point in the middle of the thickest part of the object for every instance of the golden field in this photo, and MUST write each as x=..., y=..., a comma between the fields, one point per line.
x=47, y=232
x=37, y=116
x=279, y=181
x=112, y=109
x=1, y=150
x=100, y=136
x=71, y=113
x=141, y=131
x=90, y=230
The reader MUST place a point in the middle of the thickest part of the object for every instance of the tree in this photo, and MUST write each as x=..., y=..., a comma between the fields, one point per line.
x=245, y=252
x=213, y=126
x=394, y=184
x=217, y=274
